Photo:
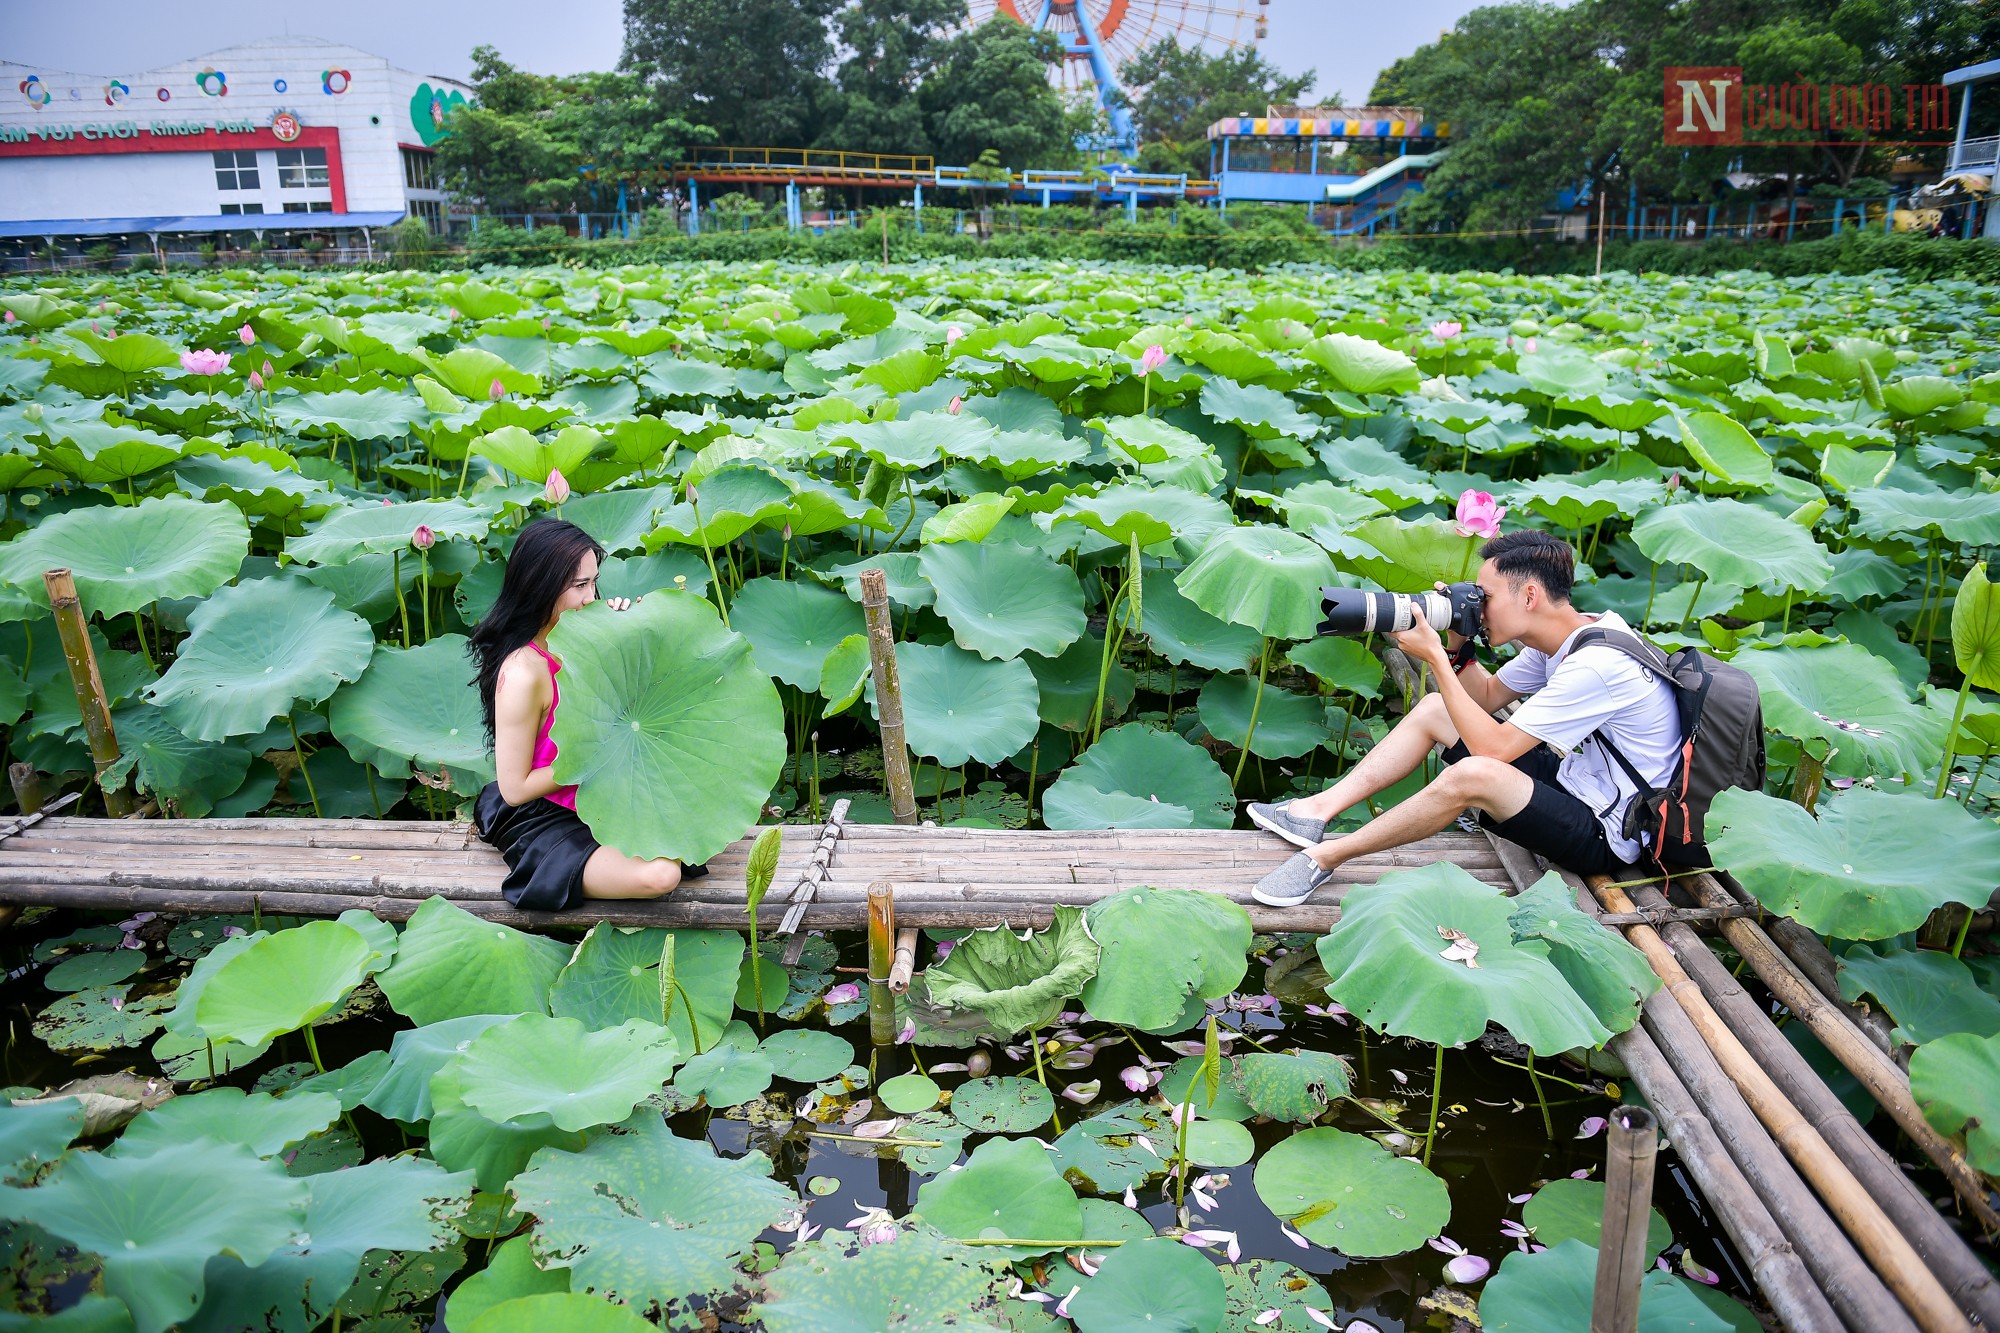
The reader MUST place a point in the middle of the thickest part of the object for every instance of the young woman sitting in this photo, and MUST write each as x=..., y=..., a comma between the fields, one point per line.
x=553, y=862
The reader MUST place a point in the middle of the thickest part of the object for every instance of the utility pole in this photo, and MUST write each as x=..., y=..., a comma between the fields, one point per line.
x=1600, y=229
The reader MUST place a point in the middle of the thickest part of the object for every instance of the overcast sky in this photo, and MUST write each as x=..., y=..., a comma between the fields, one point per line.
x=1346, y=44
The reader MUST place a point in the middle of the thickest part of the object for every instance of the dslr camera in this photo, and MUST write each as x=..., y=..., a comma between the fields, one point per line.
x=1460, y=608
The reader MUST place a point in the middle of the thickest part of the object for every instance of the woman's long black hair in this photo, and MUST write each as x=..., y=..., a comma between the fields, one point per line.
x=539, y=568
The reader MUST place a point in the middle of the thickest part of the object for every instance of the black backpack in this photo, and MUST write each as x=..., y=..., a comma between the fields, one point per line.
x=1722, y=745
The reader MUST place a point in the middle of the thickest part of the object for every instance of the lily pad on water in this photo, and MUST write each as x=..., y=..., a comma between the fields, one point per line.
x=644, y=1216
x=1574, y=1210
x=907, y=1094
x=1002, y=1105
x=792, y=626
x=86, y=970
x=652, y=694
x=1137, y=776
x=805, y=1056
x=102, y=1018
x=1872, y=865
x=1007, y=1190
x=1258, y=1285
x=1162, y=947
x=1296, y=1087
x=729, y=1073
x=1550, y=1292
x=556, y=1070
x=1017, y=982
x=1350, y=1194
x=283, y=982
x=958, y=706
x=919, y=1281
x=1002, y=600
x=33, y=1136
x=450, y=964
x=1152, y=1284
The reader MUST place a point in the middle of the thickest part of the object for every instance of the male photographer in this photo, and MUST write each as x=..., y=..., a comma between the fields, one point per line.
x=1542, y=778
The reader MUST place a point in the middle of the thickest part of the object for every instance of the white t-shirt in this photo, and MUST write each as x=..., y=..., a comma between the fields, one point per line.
x=1570, y=696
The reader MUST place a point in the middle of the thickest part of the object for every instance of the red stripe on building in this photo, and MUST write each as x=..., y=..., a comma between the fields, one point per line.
x=312, y=136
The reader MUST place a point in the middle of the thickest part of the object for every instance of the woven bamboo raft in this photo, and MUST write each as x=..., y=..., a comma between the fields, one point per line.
x=944, y=877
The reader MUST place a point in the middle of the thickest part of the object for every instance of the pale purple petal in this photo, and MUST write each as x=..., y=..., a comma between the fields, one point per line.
x=1062, y=1306
x=1294, y=1237
x=1592, y=1127
x=1467, y=1269
x=876, y=1129
x=843, y=993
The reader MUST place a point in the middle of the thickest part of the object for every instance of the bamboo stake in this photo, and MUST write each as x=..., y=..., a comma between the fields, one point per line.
x=1815, y=962
x=1891, y=1255
x=1628, y=1207
x=888, y=695
x=89, y=686
x=906, y=960
x=31, y=789
x=1884, y=1080
x=881, y=952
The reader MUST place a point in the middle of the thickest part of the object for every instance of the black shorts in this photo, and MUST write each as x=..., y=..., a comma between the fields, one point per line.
x=545, y=845
x=1554, y=824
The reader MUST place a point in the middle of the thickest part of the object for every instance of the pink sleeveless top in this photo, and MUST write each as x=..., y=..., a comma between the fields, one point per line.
x=545, y=749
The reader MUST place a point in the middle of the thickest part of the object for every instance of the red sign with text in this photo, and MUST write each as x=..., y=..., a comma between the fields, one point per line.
x=1704, y=104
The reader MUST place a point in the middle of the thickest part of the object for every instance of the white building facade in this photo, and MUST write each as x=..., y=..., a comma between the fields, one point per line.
x=291, y=125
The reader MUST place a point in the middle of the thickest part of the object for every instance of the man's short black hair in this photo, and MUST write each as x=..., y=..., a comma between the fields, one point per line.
x=1530, y=554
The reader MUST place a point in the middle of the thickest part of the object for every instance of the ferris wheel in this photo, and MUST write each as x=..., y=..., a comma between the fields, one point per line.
x=1099, y=36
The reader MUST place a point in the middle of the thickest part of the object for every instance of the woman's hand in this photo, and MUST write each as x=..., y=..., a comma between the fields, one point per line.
x=620, y=603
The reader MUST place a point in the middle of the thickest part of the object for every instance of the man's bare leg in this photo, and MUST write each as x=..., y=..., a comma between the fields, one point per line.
x=1408, y=743
x=1475, y=782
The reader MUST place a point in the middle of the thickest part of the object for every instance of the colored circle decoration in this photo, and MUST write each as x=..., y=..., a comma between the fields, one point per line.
x=35, y=91
x=212, y=82
x=76, y=94
x=285, y=127
x=116, y=91
x=279, y=85
x=334, y=82
x=164, y=95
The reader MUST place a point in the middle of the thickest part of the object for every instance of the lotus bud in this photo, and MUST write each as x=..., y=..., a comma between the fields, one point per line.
x=33, y=412
x=1152, y=359
x=1673, y=483
x=497, y=391
x=94, y=328
x=451, y=314
x=248, y=335
x=952, y=335
x=956, y=405
x=423, y=538
x=1531, y=346
x=788, y=532
x=256, y=381
x=556, y=489
x=10, y=317
x=268, y=372
x=1478, y=515
x=545, y=323
x=979, y=1064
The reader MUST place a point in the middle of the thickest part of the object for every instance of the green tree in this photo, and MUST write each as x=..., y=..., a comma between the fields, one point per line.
x=1176, y=92
x=753, y=70
x=891, y=47
x=990, y=89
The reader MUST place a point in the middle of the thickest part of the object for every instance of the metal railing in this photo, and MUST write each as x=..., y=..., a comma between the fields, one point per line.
x=820, y=161
x=1977, y=154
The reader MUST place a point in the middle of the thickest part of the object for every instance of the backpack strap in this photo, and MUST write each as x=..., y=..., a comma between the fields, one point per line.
x=1646, y=655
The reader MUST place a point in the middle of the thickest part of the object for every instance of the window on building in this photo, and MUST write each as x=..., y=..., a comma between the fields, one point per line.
x=236, y=210
x=235, y=169
x=431, y=211
x=302, y=169
x=316, y=206
x=419, y=170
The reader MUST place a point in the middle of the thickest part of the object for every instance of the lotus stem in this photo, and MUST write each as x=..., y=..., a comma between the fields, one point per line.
x=898, y=1142
x=1693, y=597
x=1652, y=586
x=1548, y=1125
x=312, y=1047
x=1964, y=928
x=396, y=577
x=1977, y=774
x=1256, y=703
x=1951, y=738
x=1112, y=632
x=1052, y=1244
x=714, y=578
x=463, y=468
x=1437, y=1092
x=425, y=556
x=1041, y=1075
x=139, y=628
x=1034, y=766
x=300, y=751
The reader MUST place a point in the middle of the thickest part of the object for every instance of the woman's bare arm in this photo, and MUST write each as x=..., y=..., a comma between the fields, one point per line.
x=521, y=698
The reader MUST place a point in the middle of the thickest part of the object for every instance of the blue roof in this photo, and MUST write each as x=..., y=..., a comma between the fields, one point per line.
x=207, y=223
x=1979, y=73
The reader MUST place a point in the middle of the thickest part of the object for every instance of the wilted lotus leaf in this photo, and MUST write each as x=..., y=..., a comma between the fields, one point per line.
x=1017, y=982
x=1295, y=1086
x=919, y=1280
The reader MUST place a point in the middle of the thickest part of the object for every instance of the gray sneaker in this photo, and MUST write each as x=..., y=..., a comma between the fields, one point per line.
x=1299, y=830
x=1291, y=883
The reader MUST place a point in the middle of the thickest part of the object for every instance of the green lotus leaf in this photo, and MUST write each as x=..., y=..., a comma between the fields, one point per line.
x=1975, y=628
x=1971, y=518
x=509, y=1275
x=1296, y=1086
x=1618, y=411
x=1342, y=665
x=350, y=1084
x=1007, y=1189
x=376, y=414
x=573, y=1312
x=1262, y=577
x=156, y=1220
x=1185, y=1084
x=380, y=529
x=907, y=1094
x=1144, y=440
x=839, y=1283
x=188, y=775
x=672, y=734
x=531, y=458
x=907, y=587
x=1872, y=865
x=85, y=970
x=1287, y=724
x=620, y=520
x=843, y=673
x=1102, y=1155
x=792, y=626
x=1929, y=994
x=957, y=706
x=1324, y=512
x=1017, y=984
x=495, y=1152
x=556, y=1068
x=1385, y=958
x=1845, y=695
x=1219, y=1143
x=1137, y=776
x=615, y=977
x=1182, y=632
x=1352, y=1195
x=729, y=1073
x=1550, y=1292
x=1413, y=555
x=469, y=372
x=404, y=1090
x=1152, y=514
x=1574, y=1210
x=283, y=982
x=1162, y=948
x=187, y=998
x=34, y=1135
x=1018, y=455
x=727, y=504
x=1555, y=371
x=1956, y=1081
x=1362, y=365
x=100, y=1018
x=1153, y=1284
x=1002, y=1105
x=1002, y=600
x=411, y=708
x=919, y=441
x=1725, y=449
x=1733, y=542
x=128, y=557
x=1369, y=466
x=103, y=453
x=1611, y=976
x=644, y=1217
x=1567, y=504
x=257, y=649
x=264, y=1124
x=1919, y=395
x=806, y=1057
x=968, y=520
x=450, y=964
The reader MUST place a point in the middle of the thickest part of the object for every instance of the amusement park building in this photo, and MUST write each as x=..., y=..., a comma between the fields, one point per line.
x=291, y=125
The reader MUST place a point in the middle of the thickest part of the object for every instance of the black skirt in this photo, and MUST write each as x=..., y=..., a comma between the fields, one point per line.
x=545, y=845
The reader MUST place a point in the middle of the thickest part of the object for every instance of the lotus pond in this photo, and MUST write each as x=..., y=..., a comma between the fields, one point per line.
x=1104, y=499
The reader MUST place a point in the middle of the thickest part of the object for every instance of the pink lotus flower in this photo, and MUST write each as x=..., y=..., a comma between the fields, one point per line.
x=844, y=993
x=497, y=391
x=256, y=381
x=201, y=361
x=956, y=405
x=545, y=323
x=1153, y=358
x=1530, y=345
x=1478, y=515
x=94, y=328
x=556, y=489
x=10, y=317
x=952, y=335
x=451, y=314
x=944, y=949
x=423, y=538
x=1446, y=329
x=248, y=335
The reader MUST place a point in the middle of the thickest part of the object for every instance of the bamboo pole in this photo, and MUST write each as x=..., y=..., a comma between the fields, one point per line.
x=905, y=962
x=1884, y=1080
x=888, y=695
x=1816, y=963
x=1889, y=1253
x=90, y=701
x=1628, y=1207
x=31, y=789
x=881, y=961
